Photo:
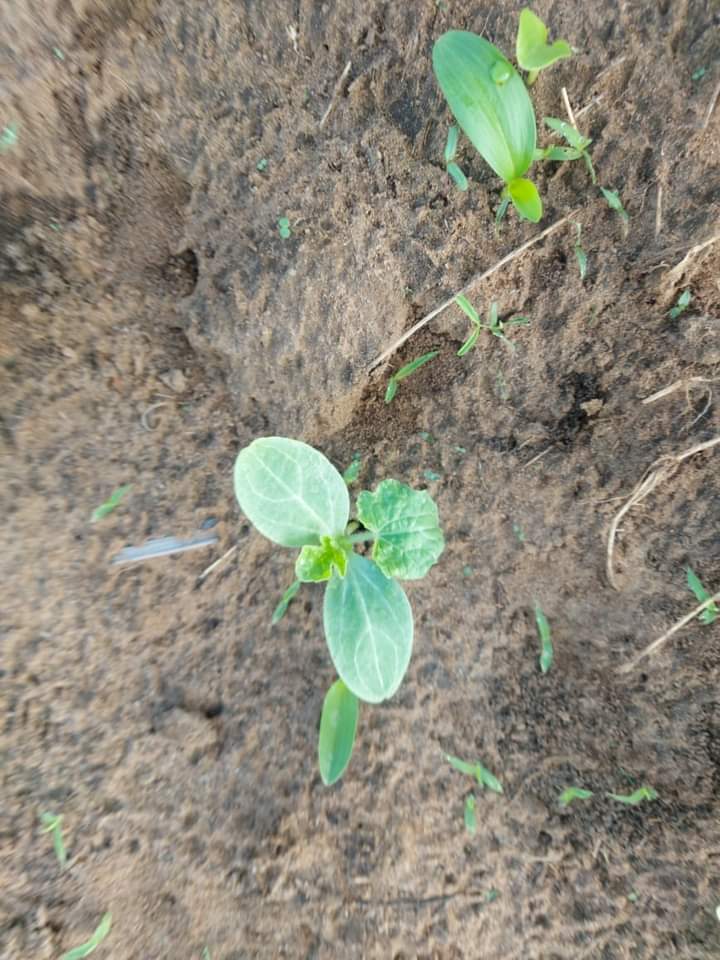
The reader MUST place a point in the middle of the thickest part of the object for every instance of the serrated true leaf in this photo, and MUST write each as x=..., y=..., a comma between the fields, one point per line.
x=409, y=539
x=369, y=629
x=532, y=49
x=488, y=99
x=316, y=563
x=525, y=198
x=338, y=724
x=290, y=491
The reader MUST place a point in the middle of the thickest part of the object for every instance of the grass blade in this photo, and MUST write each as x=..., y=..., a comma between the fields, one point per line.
x=112, y=501
x=708, y=615
x=391, y=389
x=580, y=254
x=281, y=609
x=451, y=145
x=615, y=203
x=682, y=304
x=633, y=799
x=462, y=766
x=85, y=949
x=461, y=181
x=470, y=342
x=546, y=646
x=573, y=793
x=470, y=815
x=414, y=365
x=52, y=824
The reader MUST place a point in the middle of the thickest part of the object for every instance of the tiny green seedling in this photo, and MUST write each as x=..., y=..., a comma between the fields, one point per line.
x=58, y=54
x=709, y=615
x=431, y=476
x=615, y=203
x=573, y=793
x=295, y=497
x=580, y=254
x=532, y=50
x=576, y=150
x=452, y=168
x=477, y=770
x=99, y=513
x=8, y=137
x=284, y=228
x=206, y=953
x=85, y=949
x=494, y=325
x=470, y=815
x=406, y=371
x=633, y=799
x=683, y=302
x=546, y=646
x=352, y=471
x=285, y=601
x=261, y=165
x=698, y=74
x=52, y=824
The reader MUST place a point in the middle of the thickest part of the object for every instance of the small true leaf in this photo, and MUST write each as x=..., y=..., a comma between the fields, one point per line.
x=470, y=342
x=470, y=815
x=409, y=539
x=316, y=563
x=683, y=302
x=290, y=491
x=112, y=501
x=338, y=724
x=546, y=646
x=352, y=471
x=462, y=766
x=525, y=199
x=615, y=203
x=451, y=145
x=574, y=793
x=461, y=181
x=633, y=799
x=532, y=49
x=85, y=949
x=561, y=154
x=569, y=132
x=369, y=629
x=405, y=371
x=281, y=609
x=483, y=776
x=468, y=309
x=488, y=99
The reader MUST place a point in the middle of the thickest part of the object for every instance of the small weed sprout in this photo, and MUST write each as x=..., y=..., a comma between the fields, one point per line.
x=470, y=815
x=573, y=793
x=452, y=168
x=405, y=371
x=296, y=498
x=52, y=824
x=638, y=796
x=352, y=471
x=576, y=150
x=710, y=613
x=615, y=203
x=284, y=228
x=546, y=646
x=683, y=302
x=477, y=770
x=494, y=325
x=99, y=513
x=532, y=50
x=580, y=254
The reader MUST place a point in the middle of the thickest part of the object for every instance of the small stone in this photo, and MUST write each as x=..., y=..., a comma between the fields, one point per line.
x=593, y=407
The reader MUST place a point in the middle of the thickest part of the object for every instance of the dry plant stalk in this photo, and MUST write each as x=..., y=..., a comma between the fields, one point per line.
x=663, y=468
x=675, y=275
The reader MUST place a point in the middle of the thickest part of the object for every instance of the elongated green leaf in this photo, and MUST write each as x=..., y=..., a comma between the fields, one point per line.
x=580, y=254
x=560, y=154
x=352, y=471
x=526, y=199
x=683, y=302
x=531, y=48
x=85, y=949
x=568, y=131
x=488, y=99
x=281, y=609
x=52, y=824
x=112, y=501
x=639, y=796
x=317, y=563
x=546, y=646
x=409, y=539
x=290, y=491
x=338, y=724
x=615, y=203
x=470, y=816
x=415, y=364
x=462, y=766
x=470, y=342
x=573, y=793
x=468, y=309
x=391, y=390
x=369, y=629
x=709, y=615
x=483, y=776
x=461, y=181
x=451, y=145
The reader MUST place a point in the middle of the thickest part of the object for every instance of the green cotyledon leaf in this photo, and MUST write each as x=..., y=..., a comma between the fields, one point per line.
x=368, y=628
x=409, y=539
x=488, y=99
x=290, y=492
x=531, y=48
x=338, y=724
x=316, y=563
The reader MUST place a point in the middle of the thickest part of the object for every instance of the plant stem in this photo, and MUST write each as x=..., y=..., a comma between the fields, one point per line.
x=364, y=537
x=532, y=77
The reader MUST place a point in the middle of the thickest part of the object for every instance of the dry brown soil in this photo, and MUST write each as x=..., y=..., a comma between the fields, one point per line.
x=141, y=267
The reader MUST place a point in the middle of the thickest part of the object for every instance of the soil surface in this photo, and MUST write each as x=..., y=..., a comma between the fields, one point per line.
x=153, y=321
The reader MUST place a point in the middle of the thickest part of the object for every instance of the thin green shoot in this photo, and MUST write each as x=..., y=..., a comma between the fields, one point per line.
x=99, y=513
x=501, y=211
x=261, y=165
x=470, y=815
x=449, y=156
x=352, y=471
x=431, y=476
x=8, y=137
x=52, y=824
x=494, y=325
x=573, y=793
x=405, y=371
x=281, y=609
x=576, y=150
x=698, y=74
x=461, y=181
x=580, y=254
x=710, y=613
x=615, y=203
x=206, y=954
x=483, y=776
x=638, y=796
x=57, y=53
x=683, y=302
x=284, y=227
x=546, y=646
x=85, y=949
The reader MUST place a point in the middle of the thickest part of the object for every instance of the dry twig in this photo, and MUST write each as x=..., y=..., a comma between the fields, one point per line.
x=568, y=108
x=711, y=107
x=677, y=271
x=660, y=470
x=216, y=563
x=336, y=92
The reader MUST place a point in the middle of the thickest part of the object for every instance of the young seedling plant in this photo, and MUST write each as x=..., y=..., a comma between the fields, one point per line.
x=491, y=104
x=452, y=168
x=295, y=497
x=494, y=325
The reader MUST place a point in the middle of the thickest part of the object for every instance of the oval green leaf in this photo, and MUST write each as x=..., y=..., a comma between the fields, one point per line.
x=488, y=99
x=369, y=629
x=409, y=539
x=338, y=724
x=532, y=49
x=290, y=491
x=526, y=199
